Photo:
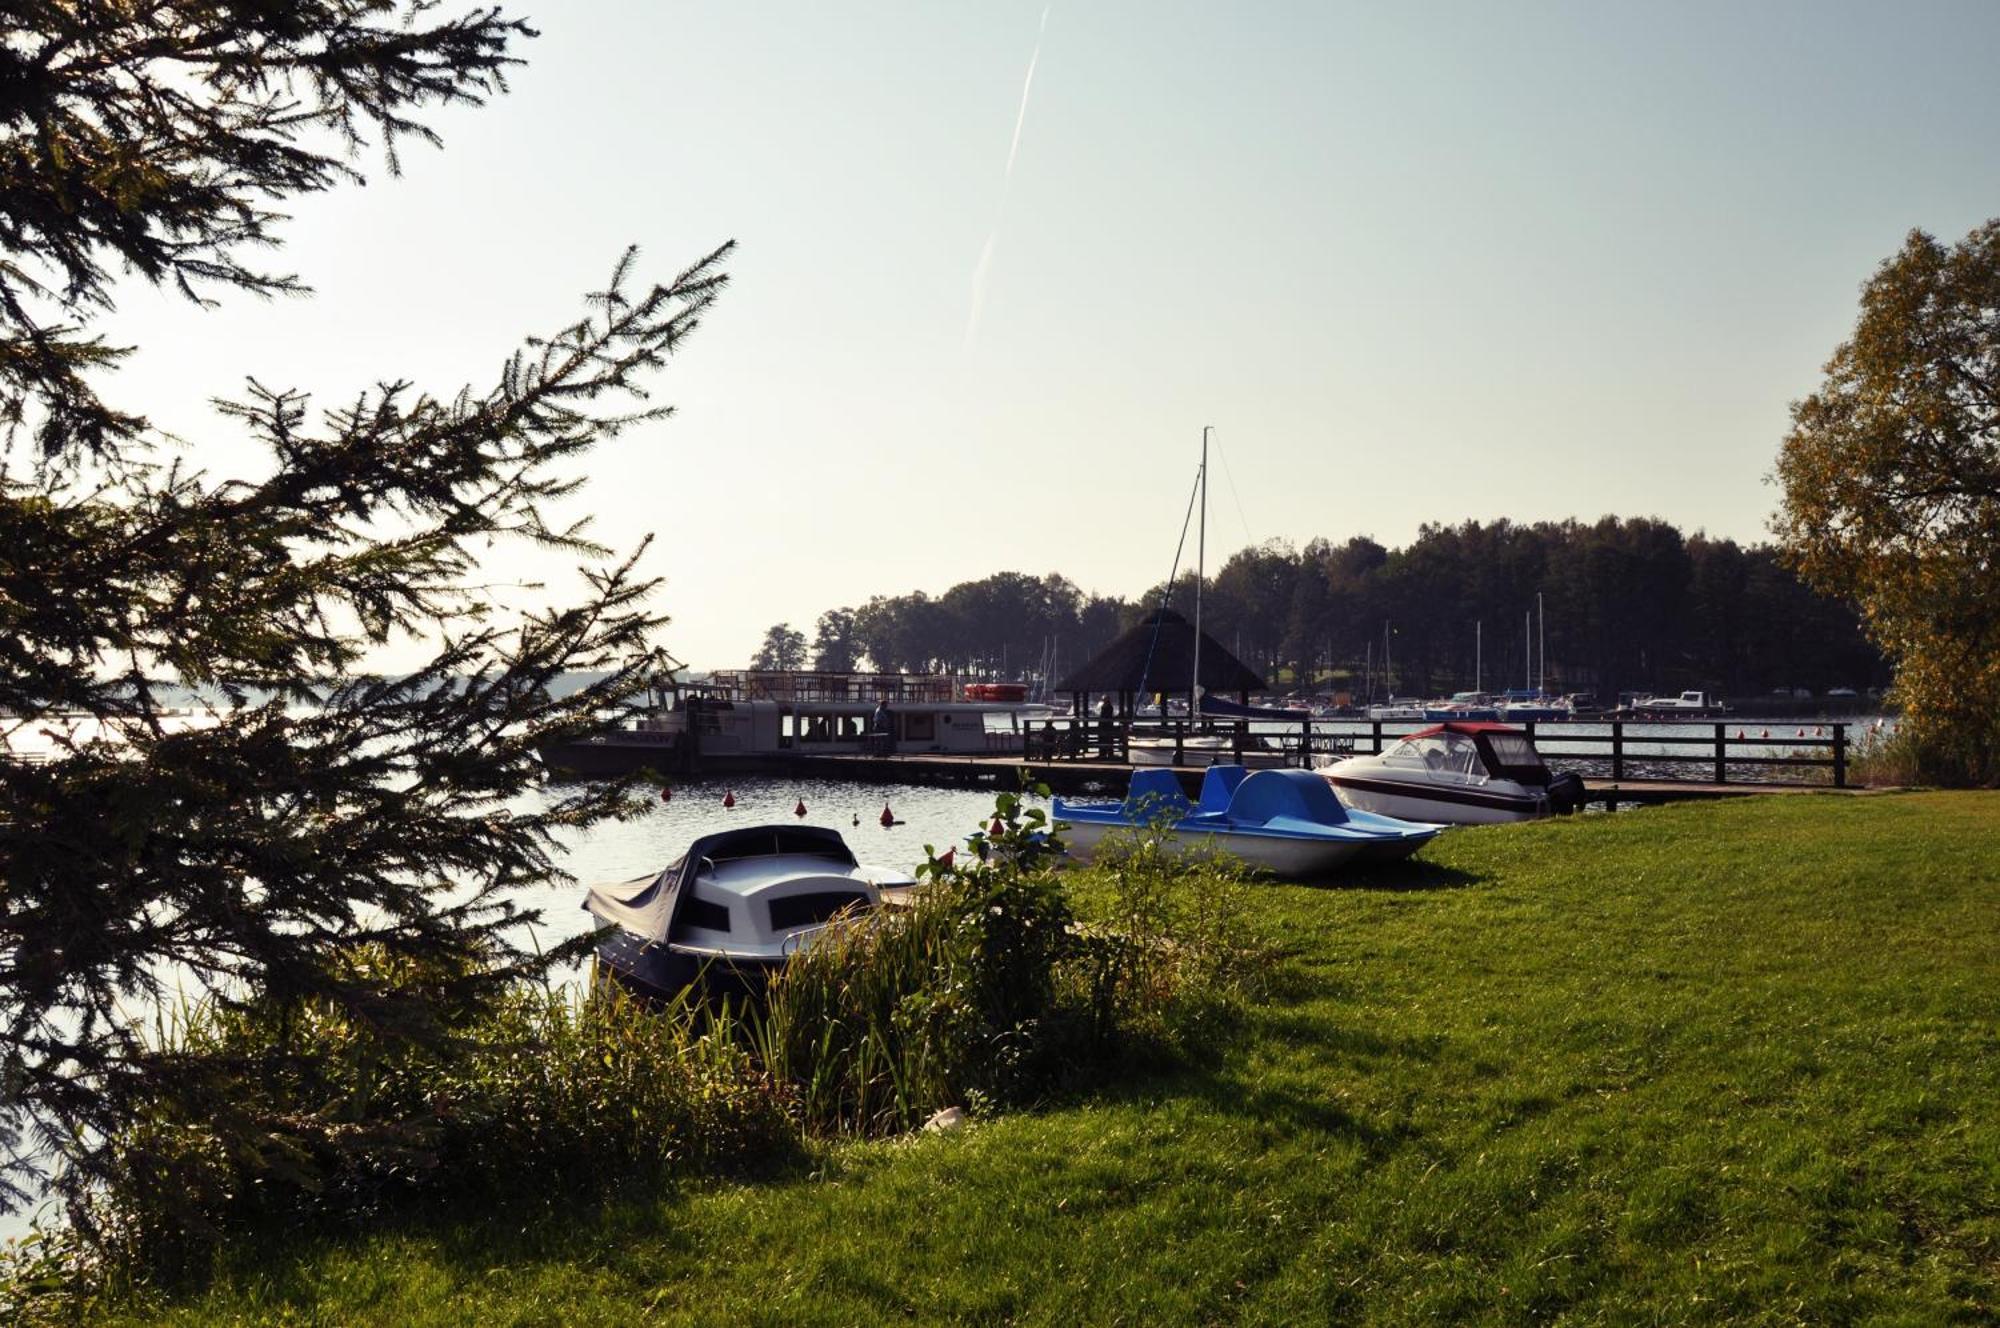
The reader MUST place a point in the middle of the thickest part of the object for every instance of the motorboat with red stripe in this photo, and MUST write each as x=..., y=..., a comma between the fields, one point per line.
x=1457, y=773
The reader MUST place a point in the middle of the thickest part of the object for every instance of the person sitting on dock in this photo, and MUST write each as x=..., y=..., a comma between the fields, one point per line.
x=1051, y=740
x=1107, y=721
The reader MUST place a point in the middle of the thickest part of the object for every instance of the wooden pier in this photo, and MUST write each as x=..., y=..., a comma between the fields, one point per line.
x=1109, y=777
x=1625, y=763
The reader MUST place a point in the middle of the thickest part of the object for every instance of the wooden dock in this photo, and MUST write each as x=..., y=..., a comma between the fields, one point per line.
x=1111, y=777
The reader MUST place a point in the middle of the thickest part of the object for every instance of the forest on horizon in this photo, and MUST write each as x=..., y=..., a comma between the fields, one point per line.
x=1629, y=604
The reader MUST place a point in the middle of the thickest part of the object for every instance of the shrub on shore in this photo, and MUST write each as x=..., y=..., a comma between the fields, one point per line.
x=985, y=990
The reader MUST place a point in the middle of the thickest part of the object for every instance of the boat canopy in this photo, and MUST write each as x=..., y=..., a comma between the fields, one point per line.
x=1473, y=749
x=653, y=911
x=1224, y=708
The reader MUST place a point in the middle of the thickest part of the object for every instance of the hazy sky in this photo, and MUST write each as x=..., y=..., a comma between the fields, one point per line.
x=1415, y=263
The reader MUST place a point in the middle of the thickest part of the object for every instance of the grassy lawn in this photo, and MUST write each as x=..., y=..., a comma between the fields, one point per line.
x=1735, y=1063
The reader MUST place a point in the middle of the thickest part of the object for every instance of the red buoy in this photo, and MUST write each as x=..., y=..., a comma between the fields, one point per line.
x=1739, y=735
x=1767, y=733
x=800, y=809
x=949, y=853
x=1802, y=733
x=888, y=817
x=996, y=829
x=729, y=797
x=666, y=794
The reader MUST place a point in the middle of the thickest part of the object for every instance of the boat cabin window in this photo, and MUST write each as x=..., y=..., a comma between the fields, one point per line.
x=759, y=844
x=1514, y=751
x=704, y=913
x=808, y=910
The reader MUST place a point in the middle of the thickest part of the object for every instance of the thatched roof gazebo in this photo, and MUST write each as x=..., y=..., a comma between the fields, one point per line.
x=1157, y=658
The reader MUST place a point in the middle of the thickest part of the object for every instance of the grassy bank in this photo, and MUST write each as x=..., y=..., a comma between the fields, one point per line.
x=1731, y=1063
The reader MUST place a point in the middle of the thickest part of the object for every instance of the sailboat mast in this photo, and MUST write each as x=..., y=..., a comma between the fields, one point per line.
x=1528, y=646
x=1542, y=644
x=1478, y=655
x=1200, y=572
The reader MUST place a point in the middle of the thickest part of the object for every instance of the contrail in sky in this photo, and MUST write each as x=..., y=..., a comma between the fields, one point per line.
x=1006, y=187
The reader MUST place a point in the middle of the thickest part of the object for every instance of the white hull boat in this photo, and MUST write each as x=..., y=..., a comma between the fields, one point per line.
x=1203, y=749
x=1456, y=774
x=733, y=908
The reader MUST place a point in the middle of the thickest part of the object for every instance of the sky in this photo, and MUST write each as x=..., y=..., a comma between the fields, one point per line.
x=999, y=264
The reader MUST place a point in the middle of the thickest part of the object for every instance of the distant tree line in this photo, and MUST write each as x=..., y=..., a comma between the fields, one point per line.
x=1630, y=604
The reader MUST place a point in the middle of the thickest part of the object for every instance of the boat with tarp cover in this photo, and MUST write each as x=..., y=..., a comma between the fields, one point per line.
x=733, y=908
x=1457, y=773
x=1286, y=822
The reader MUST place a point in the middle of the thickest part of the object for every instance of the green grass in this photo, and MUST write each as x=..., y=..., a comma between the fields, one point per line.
x=1722, y=1064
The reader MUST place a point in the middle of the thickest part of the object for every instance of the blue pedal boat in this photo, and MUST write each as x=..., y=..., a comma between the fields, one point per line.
x=1287, y=822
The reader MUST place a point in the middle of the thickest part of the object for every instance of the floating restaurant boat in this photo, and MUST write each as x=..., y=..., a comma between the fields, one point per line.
x=1457, y=774
x=1286, y=822
x=760, y=720
x=1013, y=693
x=733, y=908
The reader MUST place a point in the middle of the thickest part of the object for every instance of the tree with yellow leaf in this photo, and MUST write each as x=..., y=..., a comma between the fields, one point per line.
x=1891, y=476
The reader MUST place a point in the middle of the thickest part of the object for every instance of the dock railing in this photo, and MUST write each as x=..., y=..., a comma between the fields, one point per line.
x=1667, y=751
x=1661, y=750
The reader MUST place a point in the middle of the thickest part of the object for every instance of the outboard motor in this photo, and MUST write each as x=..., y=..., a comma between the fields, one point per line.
x=1565, y=793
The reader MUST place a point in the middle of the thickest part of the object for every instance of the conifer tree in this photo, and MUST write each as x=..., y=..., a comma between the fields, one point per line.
x=324, y=808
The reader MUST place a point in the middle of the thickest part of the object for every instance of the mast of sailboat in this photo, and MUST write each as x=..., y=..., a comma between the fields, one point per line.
x=1542, y=644
x=1200, y=571
x=1528, y=646
x=1478, y=654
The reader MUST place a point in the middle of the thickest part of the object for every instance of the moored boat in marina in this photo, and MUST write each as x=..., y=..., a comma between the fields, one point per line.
x=761, y=720
x=732, y=909
x=1286, y=822
x=1456, y=773
x=1687, y=705
x=1205, y=749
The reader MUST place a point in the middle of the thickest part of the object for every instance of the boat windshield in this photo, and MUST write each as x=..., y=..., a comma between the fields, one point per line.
x=1452, y=755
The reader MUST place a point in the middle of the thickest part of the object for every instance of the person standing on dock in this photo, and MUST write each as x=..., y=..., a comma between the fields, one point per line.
x=882, y=727
x=1107, y=722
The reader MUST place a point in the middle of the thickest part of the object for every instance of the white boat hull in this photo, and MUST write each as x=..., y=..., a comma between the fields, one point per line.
x=1198, y=752
x=1440, y=805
